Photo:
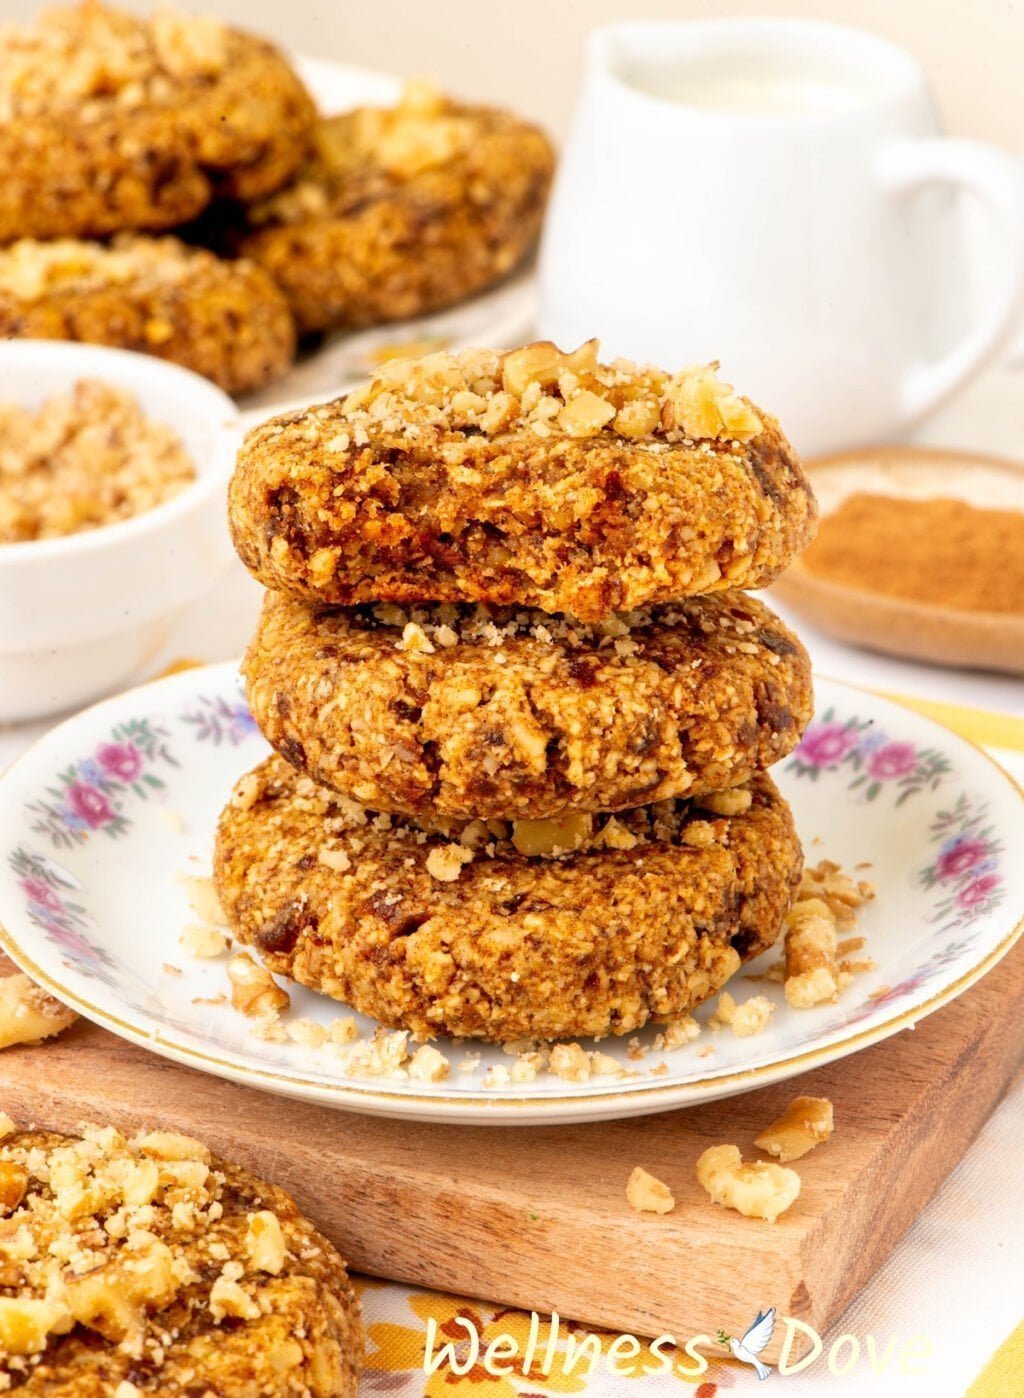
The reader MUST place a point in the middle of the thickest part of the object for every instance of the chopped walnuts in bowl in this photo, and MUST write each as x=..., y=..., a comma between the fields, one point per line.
x=113, y=467
x=83, y=459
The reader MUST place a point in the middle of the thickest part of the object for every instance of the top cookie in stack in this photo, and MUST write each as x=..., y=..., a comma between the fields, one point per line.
x=506, y=651
x=533, y=478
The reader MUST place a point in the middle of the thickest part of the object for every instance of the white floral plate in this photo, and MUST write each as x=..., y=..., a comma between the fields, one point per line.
x=102, y=817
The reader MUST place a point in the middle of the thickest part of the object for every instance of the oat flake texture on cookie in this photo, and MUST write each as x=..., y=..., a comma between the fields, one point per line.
x=533, y=478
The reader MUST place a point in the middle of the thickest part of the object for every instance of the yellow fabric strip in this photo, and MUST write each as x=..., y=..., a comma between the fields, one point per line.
x=980, y=725
x=1004, y=1372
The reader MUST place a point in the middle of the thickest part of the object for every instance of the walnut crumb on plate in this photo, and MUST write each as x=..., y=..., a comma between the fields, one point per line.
x=428, y=1064
x=202, y=897
x=253, y=989
x=200, y=940
x=746, y=1019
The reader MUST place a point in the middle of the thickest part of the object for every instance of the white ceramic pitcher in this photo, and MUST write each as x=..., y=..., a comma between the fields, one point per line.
x=776, y=194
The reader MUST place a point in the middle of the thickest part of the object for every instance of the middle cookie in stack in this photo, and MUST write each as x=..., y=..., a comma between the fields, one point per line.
x=507, y=823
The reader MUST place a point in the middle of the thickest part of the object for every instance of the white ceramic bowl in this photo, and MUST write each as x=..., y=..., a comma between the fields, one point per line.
x=80, y=615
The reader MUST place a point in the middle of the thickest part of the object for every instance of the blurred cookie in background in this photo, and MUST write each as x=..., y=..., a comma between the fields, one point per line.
x=109, y=121
x=404, y=210
x=224, y=320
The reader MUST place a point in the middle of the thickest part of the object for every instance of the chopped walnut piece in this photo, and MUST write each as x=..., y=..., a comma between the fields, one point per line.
x=112, y=1299
x=841, y=894
x=812, y=972
x=28, y=1014
x=699, y=834
x=13, y=1183
x=677, y=1032
x=756, y=1190
x=557, y=835
x=415, y=639
x=200, y=940
x=428, y=1064
x=805, y=1123
x=746, y=1019
x=701, y=405
x=444, y=862
x=203, y=897
x=647, y=1194
x=336, y=859
x=383, y=1057
x=26, y=1323
x=172, y=1146
x=570, y=1063
x=638, y=418
x=542, y=363
x=615, y=835
x=307, y=1033
x=253, y=989
x=264, y=1242
x=726, y=803
x=243, y=798
x=227, y=1298
x=585, y=414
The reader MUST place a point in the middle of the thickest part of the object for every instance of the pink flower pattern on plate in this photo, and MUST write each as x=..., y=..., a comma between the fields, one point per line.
x=876, y=762
x=121, y=760
x=89, y=804
x=91, y=794
x=893, y=761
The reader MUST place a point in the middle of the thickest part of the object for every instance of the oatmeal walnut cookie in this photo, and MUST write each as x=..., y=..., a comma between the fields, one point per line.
x=225, y=320
x=533, y=478
x=538, y=929
x=149, y=1266
x=503, y=712
x=402, y=210
x=111, y=122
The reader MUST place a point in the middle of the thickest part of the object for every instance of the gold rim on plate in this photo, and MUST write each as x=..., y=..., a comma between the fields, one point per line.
x=464, y=1105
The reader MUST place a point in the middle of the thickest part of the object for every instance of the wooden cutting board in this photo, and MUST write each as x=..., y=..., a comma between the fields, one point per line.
x=537, y=1217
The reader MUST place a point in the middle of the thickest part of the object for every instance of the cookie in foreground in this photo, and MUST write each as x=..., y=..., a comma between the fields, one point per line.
x=505, y=930
x=532, y=478
x=112, y=122
x=142, y=1266
x=404, y=210
x=511, y=713
x=224, y=320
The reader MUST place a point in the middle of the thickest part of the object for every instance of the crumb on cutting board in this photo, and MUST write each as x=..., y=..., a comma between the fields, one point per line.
x=806, y=1123
x=647, y=1194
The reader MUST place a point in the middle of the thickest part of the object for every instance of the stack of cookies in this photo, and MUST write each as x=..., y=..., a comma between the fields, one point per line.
x=522, y=708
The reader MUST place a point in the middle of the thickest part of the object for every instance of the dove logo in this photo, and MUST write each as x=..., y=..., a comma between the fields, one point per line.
x=754, y=1341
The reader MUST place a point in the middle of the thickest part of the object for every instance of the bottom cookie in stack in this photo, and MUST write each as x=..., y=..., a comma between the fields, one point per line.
x=497, y=930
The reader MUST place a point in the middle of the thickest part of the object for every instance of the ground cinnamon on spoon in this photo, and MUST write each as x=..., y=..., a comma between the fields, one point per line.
x=942, y=552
